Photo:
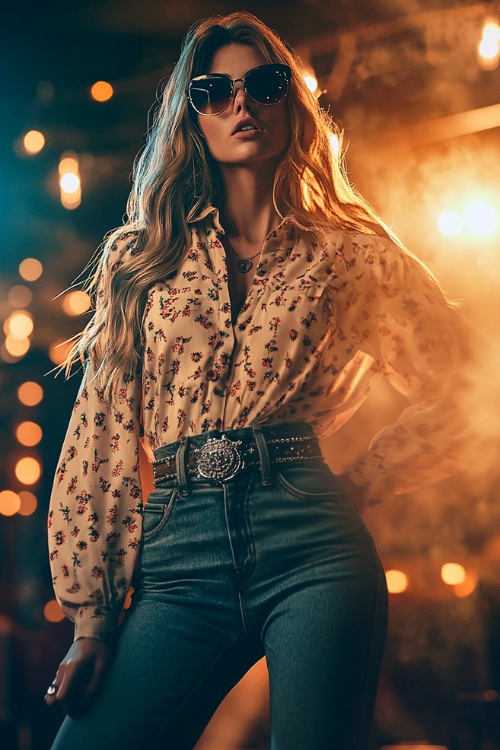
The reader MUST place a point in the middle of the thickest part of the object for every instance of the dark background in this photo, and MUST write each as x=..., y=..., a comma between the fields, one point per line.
x=400, y=77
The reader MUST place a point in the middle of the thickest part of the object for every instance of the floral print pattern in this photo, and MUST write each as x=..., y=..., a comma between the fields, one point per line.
x=325, y=317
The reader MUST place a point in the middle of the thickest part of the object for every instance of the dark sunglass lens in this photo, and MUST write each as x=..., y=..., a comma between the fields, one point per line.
x=210, y=95
x=267, y=85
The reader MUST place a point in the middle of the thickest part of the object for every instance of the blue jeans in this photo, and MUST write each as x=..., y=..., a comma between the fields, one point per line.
x=283, y=568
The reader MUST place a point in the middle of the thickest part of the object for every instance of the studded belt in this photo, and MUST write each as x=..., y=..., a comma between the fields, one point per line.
x=221, y=458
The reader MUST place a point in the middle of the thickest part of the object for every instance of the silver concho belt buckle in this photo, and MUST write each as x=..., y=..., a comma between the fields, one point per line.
x=219, y=459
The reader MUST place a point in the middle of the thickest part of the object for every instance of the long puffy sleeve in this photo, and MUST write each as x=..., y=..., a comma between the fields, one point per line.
x=94, y=523
x=400, y=317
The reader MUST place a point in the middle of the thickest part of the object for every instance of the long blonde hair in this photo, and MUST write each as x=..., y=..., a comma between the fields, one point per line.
x=175, y=178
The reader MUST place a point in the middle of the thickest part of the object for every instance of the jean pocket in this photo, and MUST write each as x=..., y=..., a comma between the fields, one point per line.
x=157, y=512
x=310, y=481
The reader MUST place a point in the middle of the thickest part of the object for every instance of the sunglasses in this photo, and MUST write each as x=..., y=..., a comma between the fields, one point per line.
x=211, y=94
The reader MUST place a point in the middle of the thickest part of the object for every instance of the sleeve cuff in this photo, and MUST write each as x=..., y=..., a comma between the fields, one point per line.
x=93, y=622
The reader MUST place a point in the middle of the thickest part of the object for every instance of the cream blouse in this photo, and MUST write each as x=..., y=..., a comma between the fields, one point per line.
x=323, y=320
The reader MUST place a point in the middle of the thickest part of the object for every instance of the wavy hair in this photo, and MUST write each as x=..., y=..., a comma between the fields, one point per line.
x=175, y=178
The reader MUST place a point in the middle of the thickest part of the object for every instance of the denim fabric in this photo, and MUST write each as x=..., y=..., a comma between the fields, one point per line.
x=230, y=573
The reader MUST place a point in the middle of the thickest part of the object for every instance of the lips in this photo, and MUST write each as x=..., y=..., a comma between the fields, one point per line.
x=246, y=124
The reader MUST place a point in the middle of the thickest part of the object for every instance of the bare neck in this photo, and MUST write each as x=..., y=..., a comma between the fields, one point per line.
x=248, y=213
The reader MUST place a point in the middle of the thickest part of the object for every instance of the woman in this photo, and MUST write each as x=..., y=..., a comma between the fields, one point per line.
x=245, y=310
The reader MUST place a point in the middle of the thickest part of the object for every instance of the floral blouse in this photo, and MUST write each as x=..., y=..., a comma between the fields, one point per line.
x=325, y=317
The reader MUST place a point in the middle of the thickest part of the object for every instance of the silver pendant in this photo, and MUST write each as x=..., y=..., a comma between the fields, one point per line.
x=244, y=265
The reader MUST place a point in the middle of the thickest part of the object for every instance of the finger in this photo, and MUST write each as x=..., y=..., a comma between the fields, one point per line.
x=51, y=695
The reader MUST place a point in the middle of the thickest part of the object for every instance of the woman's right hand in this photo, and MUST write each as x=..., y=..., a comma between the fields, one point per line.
x=80, y=676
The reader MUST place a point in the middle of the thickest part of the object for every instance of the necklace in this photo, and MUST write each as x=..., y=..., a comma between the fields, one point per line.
x=244, y=264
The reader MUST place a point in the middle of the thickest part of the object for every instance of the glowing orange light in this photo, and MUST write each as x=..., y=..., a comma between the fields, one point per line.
x=19, y=295
x=19, y=325
x=30, y=393
x=59, y=350
x=488, y=50
x=452, y=573
x=33, y=142
x=397, y=581
x=76, y=303
x=467, y=586
x=30, y=269
x=16, y=347
x=128, y=598
x=53, y=612
x=29, y=503
x=101, y=91
x=68, y=165
x=10, y=502
x=29, y=433
x=28, y=470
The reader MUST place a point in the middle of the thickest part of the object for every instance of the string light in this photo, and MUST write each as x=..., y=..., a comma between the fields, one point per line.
x=30, y=393
x=28, y=433
x=397, y=581
x=479, y=217
x=30, y=269
x=52, y=611
x=69, y=181
x=33, y=142
x=452, y=573
x=28, y=470
x=19, y=296
x=76, y=303
x=10, y=502
x=101, y=91
x=488, y=51
x=29, y=503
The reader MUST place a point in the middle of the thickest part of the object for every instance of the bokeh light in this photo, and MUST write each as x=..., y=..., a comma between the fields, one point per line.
x=489, y=46
x=16, y=347
x=480, y=218
x=19, y=295
x=29, y=503
x=101, y=91
x=452, y=573
x=28, y=470
x=397, y=581
x=311, y=82
x=33, y=142
x=70, y=182
x=467, y=586
x=29, y=433
x=53, y=612
x=19, y=325
x=30, y=393
x=10, y=502
x=59, y=350
x=30, y=269
x=450, y=223
x=76, y=303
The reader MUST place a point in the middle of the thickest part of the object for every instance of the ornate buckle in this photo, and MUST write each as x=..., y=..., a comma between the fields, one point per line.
x=219, y=459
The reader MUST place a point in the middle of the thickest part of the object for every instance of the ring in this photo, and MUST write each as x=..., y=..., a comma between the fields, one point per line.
x=51, y=689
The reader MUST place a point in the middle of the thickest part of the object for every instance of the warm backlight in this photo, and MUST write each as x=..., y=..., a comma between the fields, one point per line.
x=30, y=393
x=397, y=581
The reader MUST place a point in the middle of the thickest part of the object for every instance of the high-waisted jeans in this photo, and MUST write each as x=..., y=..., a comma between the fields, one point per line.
x=227, y=574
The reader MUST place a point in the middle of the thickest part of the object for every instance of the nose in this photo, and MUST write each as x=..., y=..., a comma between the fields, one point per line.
x=241, y=100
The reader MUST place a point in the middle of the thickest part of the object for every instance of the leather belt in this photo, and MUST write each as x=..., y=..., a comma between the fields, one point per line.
x=220, y=458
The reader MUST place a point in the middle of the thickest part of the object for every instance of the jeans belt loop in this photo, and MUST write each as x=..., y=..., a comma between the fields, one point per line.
x=180, y=466
x=264, y=459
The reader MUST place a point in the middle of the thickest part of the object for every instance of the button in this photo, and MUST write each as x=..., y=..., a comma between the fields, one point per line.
x=212, y=375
